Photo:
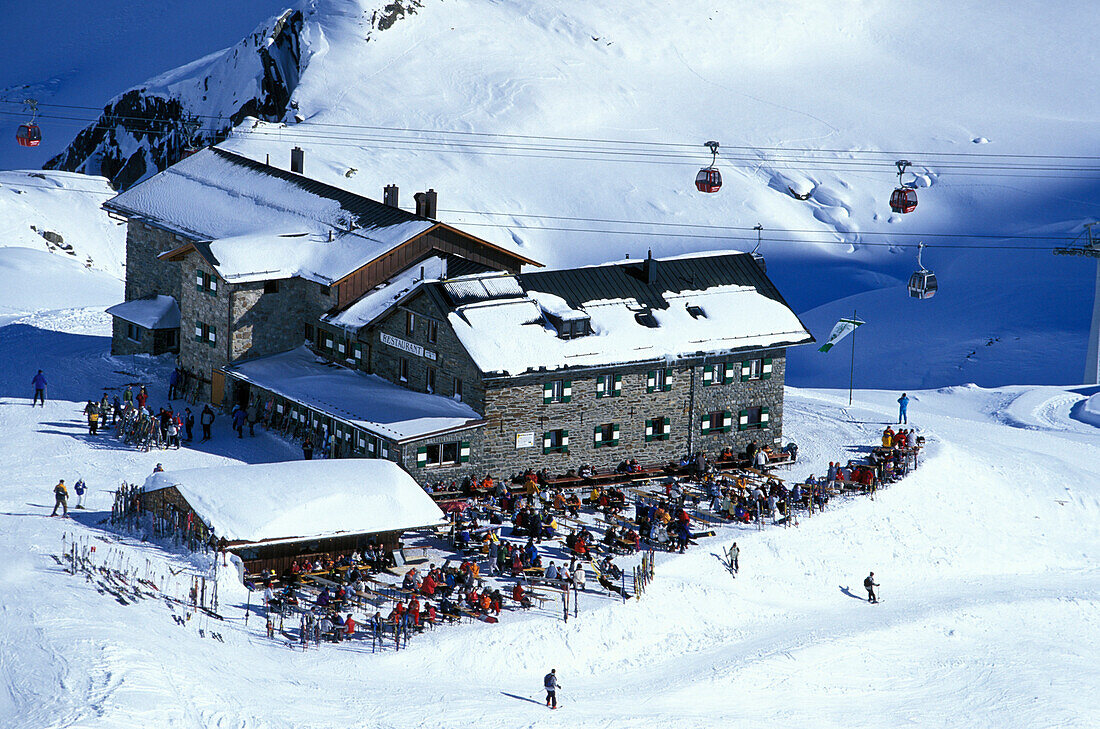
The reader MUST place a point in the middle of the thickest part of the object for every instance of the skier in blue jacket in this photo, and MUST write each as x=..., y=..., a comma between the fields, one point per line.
x=903, y=407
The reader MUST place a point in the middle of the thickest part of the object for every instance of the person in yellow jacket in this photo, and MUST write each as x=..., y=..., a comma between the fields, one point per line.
x=532, y=490
x=61, y=498
x=888, y=437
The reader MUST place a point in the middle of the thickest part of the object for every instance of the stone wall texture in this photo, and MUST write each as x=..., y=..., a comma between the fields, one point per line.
x=451, y=360
x=268, y=323
x=145, y=273
x=516, y=406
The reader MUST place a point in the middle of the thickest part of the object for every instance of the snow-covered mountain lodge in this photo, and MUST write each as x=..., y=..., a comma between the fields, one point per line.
x=389, y=334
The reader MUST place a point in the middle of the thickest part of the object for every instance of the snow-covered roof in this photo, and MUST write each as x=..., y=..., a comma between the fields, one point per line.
x=364, y=401
x=376, y=301
x=702, y=304
x=153, y=312
x=302, y=499
x=264, y=222
x=312, y=256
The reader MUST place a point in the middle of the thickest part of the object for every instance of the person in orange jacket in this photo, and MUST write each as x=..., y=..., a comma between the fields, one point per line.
x=520, y=596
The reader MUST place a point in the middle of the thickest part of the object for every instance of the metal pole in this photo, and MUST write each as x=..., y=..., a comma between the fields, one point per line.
x=852, y=374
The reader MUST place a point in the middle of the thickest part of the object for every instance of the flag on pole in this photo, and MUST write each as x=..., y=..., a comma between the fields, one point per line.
x=843, y=328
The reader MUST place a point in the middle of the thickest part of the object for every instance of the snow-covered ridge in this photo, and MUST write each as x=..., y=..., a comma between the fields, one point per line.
x=146, y=129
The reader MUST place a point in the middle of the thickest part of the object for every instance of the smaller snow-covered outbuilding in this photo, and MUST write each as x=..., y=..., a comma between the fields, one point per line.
x=149, y=325
x=272, y=514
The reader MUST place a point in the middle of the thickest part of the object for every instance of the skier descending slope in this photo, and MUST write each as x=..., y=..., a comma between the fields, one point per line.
x=869, y=584
x=550, y=683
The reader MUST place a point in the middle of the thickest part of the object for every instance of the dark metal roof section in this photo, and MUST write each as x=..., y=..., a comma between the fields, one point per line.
x=366, y=212
x=628, y=280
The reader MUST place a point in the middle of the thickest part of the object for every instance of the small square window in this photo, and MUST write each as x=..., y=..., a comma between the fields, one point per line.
x=271, y=287
x=133, y=332
x=756, y=368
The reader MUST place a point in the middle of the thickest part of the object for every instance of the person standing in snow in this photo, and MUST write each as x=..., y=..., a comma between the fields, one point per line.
x=39, y=382
x=173, y=384
x=869, y=584
x=91, y=410
x=903, y=407
x=735, y=555
x=127, y=397
x=239, y=418
x=61, y=498
x=80, y=488
x=550, y=683
x=189, y=424
x=206, y=420
x=142, y=398
x=307, y=448
x=253, y=415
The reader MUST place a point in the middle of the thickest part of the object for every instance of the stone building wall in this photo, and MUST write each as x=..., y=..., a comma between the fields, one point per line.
x=451, y=359
x=516, y=406
x=268, y=323
x=201, y=358
x=145, y=273
x=153, y=341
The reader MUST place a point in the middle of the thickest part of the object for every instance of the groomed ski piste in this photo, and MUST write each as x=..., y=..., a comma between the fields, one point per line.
x=986, y=555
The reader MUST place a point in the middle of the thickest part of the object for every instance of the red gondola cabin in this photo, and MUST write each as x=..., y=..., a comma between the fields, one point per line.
x=904, y=200
x=28, y=135
x=709, y=179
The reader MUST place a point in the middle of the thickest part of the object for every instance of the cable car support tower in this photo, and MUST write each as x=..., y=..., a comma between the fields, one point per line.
x=1090, y=248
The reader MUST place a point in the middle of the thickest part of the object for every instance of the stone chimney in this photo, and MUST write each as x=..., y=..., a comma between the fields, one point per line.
x=426, y=204
x=649, y=268
x=389, y=196
x=297, y=160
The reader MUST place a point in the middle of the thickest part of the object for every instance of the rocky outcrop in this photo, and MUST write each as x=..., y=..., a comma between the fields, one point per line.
x=147, y=129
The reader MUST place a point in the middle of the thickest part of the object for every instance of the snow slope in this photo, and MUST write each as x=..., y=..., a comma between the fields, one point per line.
x=60, y=212
x=987, y=558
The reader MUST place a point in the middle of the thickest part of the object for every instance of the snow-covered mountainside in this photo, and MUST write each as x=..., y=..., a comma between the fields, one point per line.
x=57, y=247
x=818, y=100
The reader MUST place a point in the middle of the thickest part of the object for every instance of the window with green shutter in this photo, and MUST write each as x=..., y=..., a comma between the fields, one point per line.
x=464, y=451
x=766, y=369
x=555, y=441
x=657, y=429
x=658, y=380
x=206, y=282
x=421, y=456
x=617, y=386
x=719, y=421
x=753, y=418
x=557, y=391
x=603, y=386
x=605, y=435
